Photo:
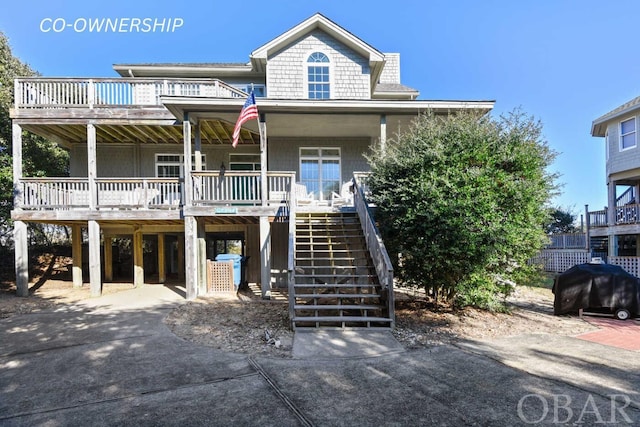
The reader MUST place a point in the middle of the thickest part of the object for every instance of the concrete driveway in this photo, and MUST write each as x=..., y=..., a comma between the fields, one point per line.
x=111, y=361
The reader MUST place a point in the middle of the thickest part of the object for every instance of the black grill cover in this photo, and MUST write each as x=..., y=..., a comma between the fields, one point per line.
x=595, y=286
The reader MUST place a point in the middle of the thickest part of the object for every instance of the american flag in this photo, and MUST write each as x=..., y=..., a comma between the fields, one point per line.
x=249, y=112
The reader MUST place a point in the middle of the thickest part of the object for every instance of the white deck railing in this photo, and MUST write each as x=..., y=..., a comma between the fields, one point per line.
x=141, y=193
x=210, y=188
x=126, y=193
x=107, y=92
x=220, y=188
x=54, y=193
x=377, y=249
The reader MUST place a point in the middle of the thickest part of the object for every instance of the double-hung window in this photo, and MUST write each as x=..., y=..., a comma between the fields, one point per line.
x=318, y=76
x=628, y=134
x=172, y=165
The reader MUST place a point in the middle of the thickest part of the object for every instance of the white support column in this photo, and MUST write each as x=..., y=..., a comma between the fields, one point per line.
x=190, y=223
x=262, y=127
x=198, y=147
x=21, y=246
x=20, y=238
x=92, y=166
x=202, y=259
x=95, y=278
x=17, y=165
x=138, y=258
x=191, y=256
x=76, y=254
x=265, y=257
x=383, y=132
x=188, y=182
x=611, y=217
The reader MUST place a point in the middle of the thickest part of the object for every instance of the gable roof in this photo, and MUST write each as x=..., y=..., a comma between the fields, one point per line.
x=599, y=125
x=318, y=21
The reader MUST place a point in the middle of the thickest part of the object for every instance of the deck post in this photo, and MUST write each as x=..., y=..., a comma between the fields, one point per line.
x=17, y=165
x=95, y=279
x=92, y=166
x=162, y=264
x=611, y=217
x=108, y=258
x=191, y=256
x=138, y=258
x=20, y=239
x=21, y=258
x=265, y=257
x=76, y=254
x=202, y=258
x=197, y=135
x=383, y=132
x=188, y=182
x=587, y=236
x=262, y=127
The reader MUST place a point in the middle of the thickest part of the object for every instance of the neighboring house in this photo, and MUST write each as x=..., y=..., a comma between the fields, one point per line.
x=151, y=159
x=617, y=226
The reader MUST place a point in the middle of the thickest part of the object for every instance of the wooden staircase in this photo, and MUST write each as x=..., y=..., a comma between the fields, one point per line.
x=335, y=281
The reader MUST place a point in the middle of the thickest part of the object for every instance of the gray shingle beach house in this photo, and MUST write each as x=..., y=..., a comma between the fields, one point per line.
x=152, y=161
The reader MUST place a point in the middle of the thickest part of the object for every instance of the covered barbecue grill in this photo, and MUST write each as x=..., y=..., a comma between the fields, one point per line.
x=597, y=286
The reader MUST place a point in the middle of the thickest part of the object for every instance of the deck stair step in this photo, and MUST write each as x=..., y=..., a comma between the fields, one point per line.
x=336, y=284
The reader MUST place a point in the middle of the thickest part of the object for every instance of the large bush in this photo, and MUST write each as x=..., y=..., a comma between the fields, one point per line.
x=461, y=200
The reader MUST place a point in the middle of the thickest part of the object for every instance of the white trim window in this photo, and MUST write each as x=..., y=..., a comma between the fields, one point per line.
x=244, y=162
x=320, y=171
x=172, y=165
x=318, y=76
x=628, y=134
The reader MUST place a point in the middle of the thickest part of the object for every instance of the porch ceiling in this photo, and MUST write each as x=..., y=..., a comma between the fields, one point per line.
x=213, y=131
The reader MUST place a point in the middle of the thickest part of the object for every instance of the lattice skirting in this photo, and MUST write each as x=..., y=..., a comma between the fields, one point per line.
x=220, y=277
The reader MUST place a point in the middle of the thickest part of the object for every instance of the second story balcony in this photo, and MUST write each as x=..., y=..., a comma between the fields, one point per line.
x=210, y=189
x=96, y=93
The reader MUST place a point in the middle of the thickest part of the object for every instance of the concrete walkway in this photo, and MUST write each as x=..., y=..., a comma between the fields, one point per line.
x=111, y=361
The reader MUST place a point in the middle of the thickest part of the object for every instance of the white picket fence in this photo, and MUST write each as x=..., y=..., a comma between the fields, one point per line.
x=631, y=264
x=558, y=261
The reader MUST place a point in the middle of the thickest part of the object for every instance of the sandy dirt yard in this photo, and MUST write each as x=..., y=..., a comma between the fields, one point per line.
x=245, y=323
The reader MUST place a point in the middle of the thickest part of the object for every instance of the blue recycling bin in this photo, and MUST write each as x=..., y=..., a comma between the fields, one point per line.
x=238, y=266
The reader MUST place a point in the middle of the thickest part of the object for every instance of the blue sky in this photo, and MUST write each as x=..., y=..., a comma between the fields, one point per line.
x=564, y=62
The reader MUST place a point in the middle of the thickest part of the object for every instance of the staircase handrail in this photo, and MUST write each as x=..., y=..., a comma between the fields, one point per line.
x=627, y=197
x=375, y=244
x=291, y=263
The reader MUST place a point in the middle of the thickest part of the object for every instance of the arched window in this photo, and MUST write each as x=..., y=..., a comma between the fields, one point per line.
x=318, y=76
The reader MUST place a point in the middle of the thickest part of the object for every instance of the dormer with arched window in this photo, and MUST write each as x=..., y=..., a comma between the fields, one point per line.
x=318, y=76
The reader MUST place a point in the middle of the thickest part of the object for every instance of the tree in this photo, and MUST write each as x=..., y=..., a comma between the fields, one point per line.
x=40, y=156
x=561, y=221
x=462, y=199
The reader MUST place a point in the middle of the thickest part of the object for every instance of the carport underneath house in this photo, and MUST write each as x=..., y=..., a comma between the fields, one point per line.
x=153, y=251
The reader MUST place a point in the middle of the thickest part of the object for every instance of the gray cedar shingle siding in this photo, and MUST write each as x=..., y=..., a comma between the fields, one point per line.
x=286, y=70
x=114, y=161
x=391, y=71
x=620, y=161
